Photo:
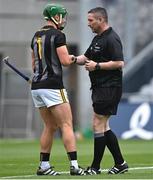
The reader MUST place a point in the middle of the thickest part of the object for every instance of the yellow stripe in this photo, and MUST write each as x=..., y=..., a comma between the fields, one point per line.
x=39, y=41
x=63, y=95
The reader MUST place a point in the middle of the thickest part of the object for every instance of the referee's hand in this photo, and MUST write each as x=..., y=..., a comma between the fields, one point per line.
x=90, y=65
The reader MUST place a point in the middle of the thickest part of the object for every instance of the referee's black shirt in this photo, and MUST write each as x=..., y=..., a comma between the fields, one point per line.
x=103, y=48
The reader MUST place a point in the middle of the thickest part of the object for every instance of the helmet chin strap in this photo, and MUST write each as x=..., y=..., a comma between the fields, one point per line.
x=56, y=22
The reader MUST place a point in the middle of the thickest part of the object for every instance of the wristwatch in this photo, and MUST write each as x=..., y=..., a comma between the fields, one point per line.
x=74, y=59
x=97, y=67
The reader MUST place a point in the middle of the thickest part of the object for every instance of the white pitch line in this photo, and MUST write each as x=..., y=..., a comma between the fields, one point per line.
x=67, y=172
x=139, y=168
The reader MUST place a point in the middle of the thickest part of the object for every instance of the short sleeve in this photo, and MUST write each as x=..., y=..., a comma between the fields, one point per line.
x=115, y=49
x=87, y=53
x=60, y=40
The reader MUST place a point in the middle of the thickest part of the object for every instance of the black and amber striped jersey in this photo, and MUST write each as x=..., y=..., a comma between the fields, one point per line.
x=47, y=66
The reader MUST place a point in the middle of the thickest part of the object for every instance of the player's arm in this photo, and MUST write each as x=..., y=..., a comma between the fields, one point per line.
x=33, y=60
x=64, y=56
x=32, y=56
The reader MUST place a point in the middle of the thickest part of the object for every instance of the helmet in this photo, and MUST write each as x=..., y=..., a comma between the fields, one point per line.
x=51, y=10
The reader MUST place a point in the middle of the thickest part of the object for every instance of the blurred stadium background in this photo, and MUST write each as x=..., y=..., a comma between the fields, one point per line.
x=132, y=19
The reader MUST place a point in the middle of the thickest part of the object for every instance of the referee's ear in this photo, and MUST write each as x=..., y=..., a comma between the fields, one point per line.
x=101, y=20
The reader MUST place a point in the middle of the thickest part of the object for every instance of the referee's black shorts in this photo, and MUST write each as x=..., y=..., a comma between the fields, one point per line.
x=106, y=99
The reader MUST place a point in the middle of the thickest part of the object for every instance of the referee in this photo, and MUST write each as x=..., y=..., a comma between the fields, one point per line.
x=104, y=61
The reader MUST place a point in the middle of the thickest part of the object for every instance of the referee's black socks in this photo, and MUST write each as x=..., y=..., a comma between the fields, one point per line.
x=99, y=148
x=113, y=146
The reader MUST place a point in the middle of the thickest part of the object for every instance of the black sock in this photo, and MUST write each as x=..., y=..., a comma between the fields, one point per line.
x=44, y=156
x=113, y=146
x=99, y=148
x=72, y=155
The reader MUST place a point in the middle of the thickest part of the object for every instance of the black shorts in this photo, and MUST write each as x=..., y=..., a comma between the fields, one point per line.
x=105, y=100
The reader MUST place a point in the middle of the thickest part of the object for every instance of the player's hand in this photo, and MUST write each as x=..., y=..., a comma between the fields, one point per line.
x=90, y=65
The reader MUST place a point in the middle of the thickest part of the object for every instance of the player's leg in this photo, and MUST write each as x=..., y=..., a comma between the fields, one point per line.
x=63, y=116
x=43, y=99
x=50, y=127
x=46, y=142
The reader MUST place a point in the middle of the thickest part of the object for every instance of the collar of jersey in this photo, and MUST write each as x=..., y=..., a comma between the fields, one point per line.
x=107, y=31
x=47, y=27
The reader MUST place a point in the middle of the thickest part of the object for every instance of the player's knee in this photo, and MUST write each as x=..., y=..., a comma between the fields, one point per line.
x=66, y=125
x=51, y=127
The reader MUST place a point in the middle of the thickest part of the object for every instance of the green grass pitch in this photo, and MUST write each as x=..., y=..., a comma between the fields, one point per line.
x=19, y=159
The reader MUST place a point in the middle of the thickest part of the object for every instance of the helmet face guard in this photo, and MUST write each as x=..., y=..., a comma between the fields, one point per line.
x=51, y=10
x=62, y=23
